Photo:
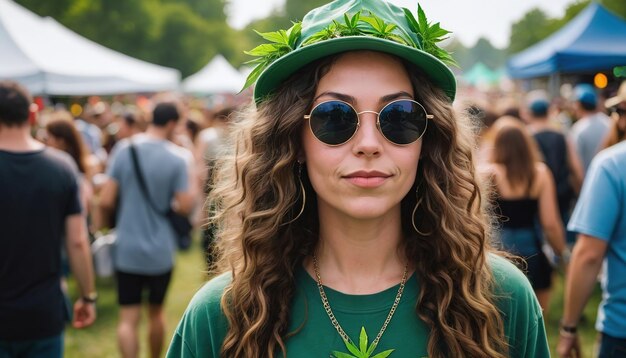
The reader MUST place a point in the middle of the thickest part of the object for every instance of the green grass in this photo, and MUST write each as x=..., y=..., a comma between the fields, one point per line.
x=587, y=332
x=100, y=339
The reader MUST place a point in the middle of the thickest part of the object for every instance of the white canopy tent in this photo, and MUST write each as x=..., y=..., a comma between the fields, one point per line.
x=50, y=59
x=217, y=77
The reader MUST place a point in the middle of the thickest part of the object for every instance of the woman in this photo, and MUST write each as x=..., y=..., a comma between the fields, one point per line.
x=525, y=190
x=63, y=135
x=332, y=239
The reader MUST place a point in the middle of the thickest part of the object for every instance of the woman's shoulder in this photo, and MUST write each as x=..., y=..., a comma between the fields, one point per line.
x=521, y=313
x=543, y=176
x=204, y=325
x=210, y=294
x=513, y=290
x=542, y=168
x=506, y=274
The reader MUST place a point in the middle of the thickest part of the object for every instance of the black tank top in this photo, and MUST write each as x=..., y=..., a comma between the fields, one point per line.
x=554, y=149
x=517, y=213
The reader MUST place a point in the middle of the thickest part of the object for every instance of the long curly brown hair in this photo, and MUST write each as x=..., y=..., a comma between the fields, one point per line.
x=257, y=196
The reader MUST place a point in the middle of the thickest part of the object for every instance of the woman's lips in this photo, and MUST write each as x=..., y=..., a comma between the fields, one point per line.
x=365, y=179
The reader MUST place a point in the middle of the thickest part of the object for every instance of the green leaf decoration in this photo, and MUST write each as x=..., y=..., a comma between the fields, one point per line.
x=383, y=354
x=363, y=351
x=351, y=27
x=281, y=43
x=378, y=26
x=619, y=71
x=343, y=355
x=363, y=340
x=429, y=35
x=353, y=349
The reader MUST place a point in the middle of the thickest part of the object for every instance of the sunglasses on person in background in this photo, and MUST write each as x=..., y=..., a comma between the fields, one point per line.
x=401, y=122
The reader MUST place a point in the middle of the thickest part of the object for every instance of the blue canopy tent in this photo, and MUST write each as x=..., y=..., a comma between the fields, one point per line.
x=594, y=40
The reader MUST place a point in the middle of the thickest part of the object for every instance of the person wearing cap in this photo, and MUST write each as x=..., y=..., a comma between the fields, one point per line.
x=559, y=155
x=617, y=107
x=349, y=211
x=600, y=221
x=591, y=127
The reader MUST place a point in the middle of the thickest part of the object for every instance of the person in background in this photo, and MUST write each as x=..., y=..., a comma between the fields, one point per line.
x=559, y=155
x=63, y=135
x=524, y=191
x=126, y=124
x=146, y=243
x=559, y=114
x=617, y=107
x=39, y=204
x=600, y=221
x=592, y=125
x=349, y=210
x=210, y=148
x=88, y=126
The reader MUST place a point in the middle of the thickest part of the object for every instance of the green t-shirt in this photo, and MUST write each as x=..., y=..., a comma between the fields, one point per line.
x=202, y=329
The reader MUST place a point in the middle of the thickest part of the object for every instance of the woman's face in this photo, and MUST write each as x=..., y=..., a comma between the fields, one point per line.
x=368, y=176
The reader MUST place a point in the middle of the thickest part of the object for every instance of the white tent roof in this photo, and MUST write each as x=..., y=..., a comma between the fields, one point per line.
x=48, y=58
x=218, y=76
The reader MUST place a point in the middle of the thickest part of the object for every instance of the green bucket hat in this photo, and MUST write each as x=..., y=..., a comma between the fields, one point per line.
x=345, y=25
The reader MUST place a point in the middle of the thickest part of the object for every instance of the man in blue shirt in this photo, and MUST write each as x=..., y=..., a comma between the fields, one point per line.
x=600, y=220
x=146, y=242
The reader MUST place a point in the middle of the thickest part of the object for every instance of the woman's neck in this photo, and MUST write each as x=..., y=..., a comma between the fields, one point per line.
x=359, y=256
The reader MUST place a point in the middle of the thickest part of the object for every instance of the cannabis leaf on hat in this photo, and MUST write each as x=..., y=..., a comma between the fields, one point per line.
x=281, y=43
x=352, y=25
x=430, y=35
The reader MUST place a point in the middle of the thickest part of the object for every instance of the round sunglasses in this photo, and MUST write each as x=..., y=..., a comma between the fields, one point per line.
x=401, y=122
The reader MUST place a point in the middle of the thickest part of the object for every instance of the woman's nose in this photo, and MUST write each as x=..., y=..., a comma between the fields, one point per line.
x=367, y=140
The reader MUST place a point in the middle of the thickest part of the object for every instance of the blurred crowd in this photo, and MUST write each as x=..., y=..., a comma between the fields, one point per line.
x=90, y=137
x=535, y=152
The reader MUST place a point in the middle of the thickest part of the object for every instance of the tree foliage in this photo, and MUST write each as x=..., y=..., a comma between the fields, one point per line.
x=535, y=24
x=183, y=34
x=532, y=28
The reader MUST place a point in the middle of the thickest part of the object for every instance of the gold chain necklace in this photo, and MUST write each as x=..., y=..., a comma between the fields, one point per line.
x=332, y=317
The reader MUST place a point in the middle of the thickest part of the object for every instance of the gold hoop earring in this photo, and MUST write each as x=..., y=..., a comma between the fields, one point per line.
x=303, y=195
x=419, y=201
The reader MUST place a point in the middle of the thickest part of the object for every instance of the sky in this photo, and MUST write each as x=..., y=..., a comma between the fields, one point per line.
x=469, y=20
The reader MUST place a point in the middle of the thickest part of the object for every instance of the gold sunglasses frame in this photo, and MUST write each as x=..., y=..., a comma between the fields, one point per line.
x=358, y=124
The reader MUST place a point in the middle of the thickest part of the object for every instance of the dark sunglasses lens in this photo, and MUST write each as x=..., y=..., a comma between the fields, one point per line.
x=620, y=111
x=403, y=122
x=333, y=122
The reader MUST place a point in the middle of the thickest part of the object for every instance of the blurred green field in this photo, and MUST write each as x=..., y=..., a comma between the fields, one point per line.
x=586, y=329
x=100, y=339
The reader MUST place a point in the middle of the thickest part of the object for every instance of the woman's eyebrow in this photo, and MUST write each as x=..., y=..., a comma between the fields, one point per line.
x=393, y=96
x=340, y=96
